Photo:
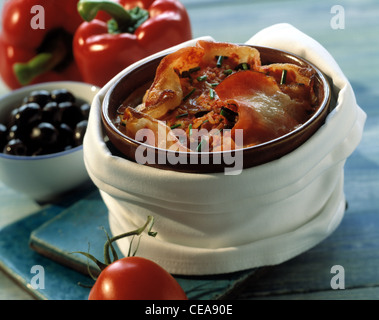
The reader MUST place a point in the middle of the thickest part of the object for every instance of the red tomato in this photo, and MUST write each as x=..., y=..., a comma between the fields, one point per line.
x=136, y=278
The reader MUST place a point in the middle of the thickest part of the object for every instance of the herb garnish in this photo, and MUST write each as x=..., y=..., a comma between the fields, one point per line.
x=202, y=78
x=212, y=93
x=189, y=94
x=284, y=77
x=175, y=126
x=182, y=115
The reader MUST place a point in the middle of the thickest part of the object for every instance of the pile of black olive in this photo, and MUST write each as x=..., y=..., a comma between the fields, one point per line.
x=46, y=122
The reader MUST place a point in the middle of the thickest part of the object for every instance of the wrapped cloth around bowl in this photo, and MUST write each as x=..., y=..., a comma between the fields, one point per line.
x=212, y=223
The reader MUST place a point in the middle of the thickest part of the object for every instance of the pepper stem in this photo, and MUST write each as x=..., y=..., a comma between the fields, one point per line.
x=40, y=64
x=53, y=52
x=126, y=20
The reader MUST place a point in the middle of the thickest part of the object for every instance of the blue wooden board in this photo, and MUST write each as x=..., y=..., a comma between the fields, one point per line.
x=17, y=259
x=49, y=238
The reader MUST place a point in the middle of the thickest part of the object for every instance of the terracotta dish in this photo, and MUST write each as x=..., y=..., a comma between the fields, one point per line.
x=134, y=83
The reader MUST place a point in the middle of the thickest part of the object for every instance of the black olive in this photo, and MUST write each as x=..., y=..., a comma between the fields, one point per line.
x=65, y=136
x=15, y=147
x=45, y=123
x=44, y=150
x=62, y=95
x=41, y=151
x=79, y=132
x=50, y=113
x=28, y=114
x=17, y=132
x=3, y=136
x=12, y=118
x=85, y=108
x=69, y=113
x=41, y=97
x=44, y=134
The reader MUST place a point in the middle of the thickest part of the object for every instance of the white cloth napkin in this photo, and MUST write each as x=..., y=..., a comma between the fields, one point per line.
x=217, y=223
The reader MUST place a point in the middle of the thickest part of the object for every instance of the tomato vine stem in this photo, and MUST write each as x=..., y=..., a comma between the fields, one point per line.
x=108, y=247
x=149, y=224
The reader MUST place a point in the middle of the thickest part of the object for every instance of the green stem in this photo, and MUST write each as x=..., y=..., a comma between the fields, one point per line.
x=88, y=10
x=149, y=224
x=107, y=261
x=126, y=20
x=40, y=64
x=43, y=62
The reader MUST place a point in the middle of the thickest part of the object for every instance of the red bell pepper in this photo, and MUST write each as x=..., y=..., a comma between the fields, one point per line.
x=119, y=33
x=36, y=41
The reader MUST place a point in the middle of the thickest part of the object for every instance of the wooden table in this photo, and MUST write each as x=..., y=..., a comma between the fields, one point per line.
x=355, y=244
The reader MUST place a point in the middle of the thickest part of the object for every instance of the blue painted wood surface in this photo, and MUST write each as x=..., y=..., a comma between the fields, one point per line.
x=17, y=259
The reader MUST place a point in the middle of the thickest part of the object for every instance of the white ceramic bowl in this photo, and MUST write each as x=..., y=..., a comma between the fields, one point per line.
x=44, y=177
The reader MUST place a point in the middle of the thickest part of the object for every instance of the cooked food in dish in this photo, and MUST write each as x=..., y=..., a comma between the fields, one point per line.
x=218, y=96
